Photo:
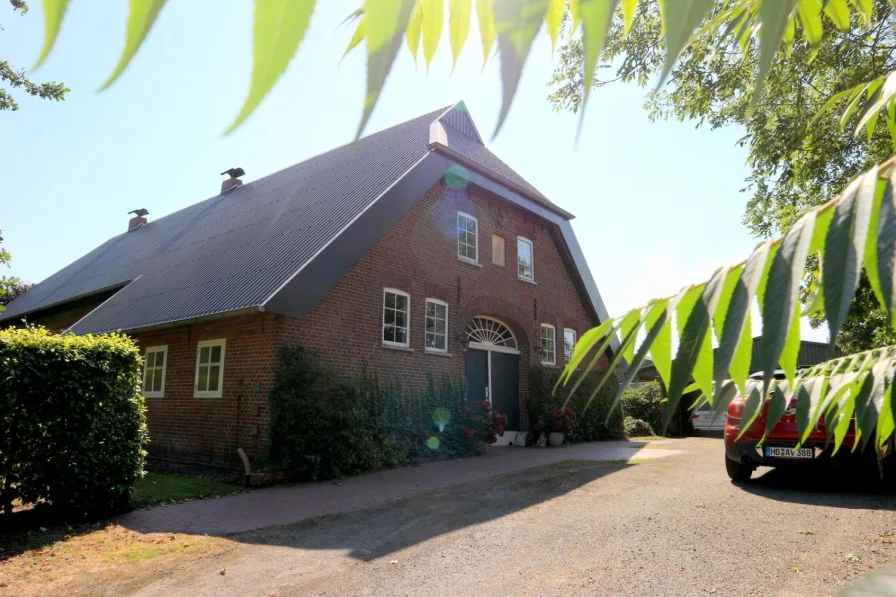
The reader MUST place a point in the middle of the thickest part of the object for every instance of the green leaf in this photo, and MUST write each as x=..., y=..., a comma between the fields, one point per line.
x=628, y=324
x=680, y=19
x=790, y=354
x=460, y=12
x=628, y=15
x=810, y=396
x=725, y=352
x=886, y=248
x=774, y=16
x=415, y=27
x=279, y=28
x=870, y=399
x=596, y=18
x=866, y=9
x=838, y=12
x=357, y=38
x=54, y=12
x=871, y=261
x=703, y=368
x=598, y=353
x=752, y=408
x=880, y=94
x=387, y=21
x=516, y=22
x=843, y=417
x=654, y=322
x=776, y=407
x=809, y=12
x=486, y=18
x=627, y=340
x=576, y=14
x=142, y=16
x=693, y=330
x=822, y=225
x=845, y=248
x=743, y=356
x=782, y=293
x=433, y=19
x=554, y=18
x=583, y=347
x=886, y=422
x=661, y=352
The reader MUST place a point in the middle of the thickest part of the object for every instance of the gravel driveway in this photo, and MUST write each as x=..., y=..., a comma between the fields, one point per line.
x=665, y=527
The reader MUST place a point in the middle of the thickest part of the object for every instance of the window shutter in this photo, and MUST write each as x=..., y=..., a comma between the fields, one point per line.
x=497, y=250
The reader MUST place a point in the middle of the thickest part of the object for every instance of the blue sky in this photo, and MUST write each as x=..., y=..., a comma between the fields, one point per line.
x=72, y=170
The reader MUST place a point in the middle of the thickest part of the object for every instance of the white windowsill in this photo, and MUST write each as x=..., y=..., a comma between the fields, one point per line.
x=397, y=347
x=153, y=395
x=469, y=262
x=522, y=279
x=437, y=353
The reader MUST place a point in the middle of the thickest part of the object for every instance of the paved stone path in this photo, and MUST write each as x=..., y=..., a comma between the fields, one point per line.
x=287, y=504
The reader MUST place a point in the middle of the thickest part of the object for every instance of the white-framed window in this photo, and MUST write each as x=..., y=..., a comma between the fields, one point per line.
x=396, y=317
x=154, y=371
x=548, y=345
x=209, y=369
x=525, y=264
x=435, y=334
x=467, y=237
x=569, y=343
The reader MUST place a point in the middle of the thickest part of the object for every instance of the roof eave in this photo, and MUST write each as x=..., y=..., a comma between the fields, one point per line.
x=440, y=147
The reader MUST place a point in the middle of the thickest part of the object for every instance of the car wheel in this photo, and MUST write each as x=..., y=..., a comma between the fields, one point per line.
x=738, y=471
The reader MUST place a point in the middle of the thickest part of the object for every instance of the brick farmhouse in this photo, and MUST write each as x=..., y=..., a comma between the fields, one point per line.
x=414, y=251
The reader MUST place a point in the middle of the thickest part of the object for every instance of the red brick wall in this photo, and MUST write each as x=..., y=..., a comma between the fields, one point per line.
x=419, y=256
x=209, y=430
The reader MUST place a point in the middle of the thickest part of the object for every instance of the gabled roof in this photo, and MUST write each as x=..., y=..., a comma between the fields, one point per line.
x=248, y=248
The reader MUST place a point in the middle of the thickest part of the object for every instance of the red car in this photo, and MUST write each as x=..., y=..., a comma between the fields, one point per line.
x=779, y=448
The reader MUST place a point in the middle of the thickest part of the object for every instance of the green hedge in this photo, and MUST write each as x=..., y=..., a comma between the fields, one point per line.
x=593, y=423
x=323, y=427
x=645, y=403
x=72, y=420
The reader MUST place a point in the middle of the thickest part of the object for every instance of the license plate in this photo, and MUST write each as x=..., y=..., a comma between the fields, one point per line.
x=796, y=453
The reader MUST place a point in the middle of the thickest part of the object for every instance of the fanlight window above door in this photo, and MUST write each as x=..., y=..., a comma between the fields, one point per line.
x=484, y=330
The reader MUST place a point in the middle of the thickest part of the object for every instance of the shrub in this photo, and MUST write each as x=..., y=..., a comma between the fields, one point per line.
x=552, y=417
x=645, y=402
x=72, y=420
x=637, y=428
x=481, y=423
x=323, y=427
x=594, y=423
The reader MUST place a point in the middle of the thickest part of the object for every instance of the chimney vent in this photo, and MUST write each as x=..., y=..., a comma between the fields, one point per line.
x=139, y=219
x=234, y=181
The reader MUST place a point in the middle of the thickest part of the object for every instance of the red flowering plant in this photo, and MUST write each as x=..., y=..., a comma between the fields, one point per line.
x=552, y=418
x=481, y=423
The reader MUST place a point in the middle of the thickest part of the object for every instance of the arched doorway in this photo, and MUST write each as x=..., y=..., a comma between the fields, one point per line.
x=492, y=366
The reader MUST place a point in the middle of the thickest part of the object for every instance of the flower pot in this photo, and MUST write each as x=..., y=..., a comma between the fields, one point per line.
x=555, y=439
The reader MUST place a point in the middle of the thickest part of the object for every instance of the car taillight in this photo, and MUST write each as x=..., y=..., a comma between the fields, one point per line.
x=736, y=409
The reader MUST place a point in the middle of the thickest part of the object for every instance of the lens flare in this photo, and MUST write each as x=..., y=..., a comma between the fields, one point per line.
x=441, y=417
x=433, y=443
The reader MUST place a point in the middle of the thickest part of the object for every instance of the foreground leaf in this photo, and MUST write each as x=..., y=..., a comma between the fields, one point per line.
x=774, y=15
x=845, y=248
x=680, y=19
x=486, y=18
x=387, y=21
x=433, y=20
x=459, y=14
x=886, y=248
x=781, y=293
x=516, y=22
x=693, y=330
x=54, y=12
x=142, y=16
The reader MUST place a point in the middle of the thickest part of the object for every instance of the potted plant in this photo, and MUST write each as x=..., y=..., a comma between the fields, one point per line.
x=556, y=421
x=481, y=426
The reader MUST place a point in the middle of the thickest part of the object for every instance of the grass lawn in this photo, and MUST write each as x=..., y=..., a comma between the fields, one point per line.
x=156, y=489
x=48, y=556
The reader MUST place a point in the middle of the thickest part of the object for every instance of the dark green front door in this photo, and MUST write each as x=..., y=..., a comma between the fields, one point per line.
x=505, y=390
x=501, y=385
x=476, y=365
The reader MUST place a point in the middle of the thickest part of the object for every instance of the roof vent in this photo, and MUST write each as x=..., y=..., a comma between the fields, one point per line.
x=139, y=219
x=234, y=181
